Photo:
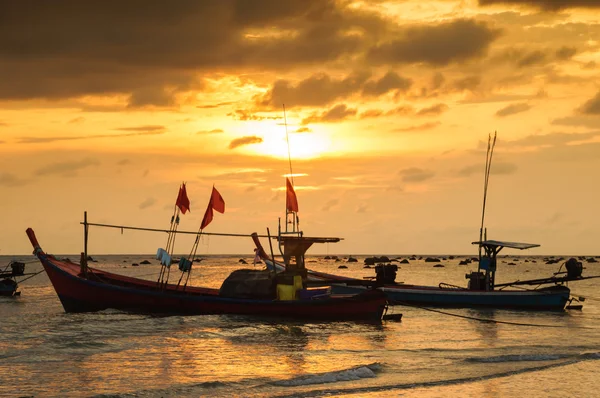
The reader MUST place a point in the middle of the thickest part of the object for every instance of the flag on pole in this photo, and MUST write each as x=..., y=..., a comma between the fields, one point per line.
x=291, y=202
x=217, y=203
x=182, y=199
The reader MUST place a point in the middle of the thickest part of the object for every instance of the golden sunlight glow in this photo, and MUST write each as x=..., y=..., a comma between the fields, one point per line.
x=301, y=145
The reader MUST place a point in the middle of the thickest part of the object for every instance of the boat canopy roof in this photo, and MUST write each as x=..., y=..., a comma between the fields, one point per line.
x=311, y=239
x=512, y=245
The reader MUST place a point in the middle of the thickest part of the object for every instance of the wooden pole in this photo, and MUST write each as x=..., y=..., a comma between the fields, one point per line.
x=83, y=261
x=271, y=247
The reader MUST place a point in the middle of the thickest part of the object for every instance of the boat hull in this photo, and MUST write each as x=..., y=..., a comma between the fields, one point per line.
x=94, y=293
x=553, y=298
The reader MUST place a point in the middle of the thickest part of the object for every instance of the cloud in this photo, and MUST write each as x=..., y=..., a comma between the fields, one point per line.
x=362, y=208
x=415, y=174
x=245, y=115
x=248, y=140
x=438, y=45
x=142, y=128
x=212, y=106
x=40, y=140
x=565, y=53
x=497, y=168
x=432, y=110
x=67, y=169
x=209, y=132
x=303, y=130
x=335, y=114
x=549, y=5
x=404, y=110
x=418, y=127
x=391, y=81
x=149, y=202
x=513, y=109
x=124, y=162
x=11, y=180
x=552, y=139
x=317, y=90
x=330, y=204
x=151, y=52
x=77, y=120
x=592, y=106
x=589, y=121
x=3, y=124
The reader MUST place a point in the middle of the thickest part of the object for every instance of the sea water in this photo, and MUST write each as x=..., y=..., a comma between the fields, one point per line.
x=45, y=352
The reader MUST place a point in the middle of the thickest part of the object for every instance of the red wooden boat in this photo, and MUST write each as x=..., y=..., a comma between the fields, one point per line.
x=84, y=289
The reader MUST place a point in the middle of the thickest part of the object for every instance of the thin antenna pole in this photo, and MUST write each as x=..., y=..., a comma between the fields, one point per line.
x=287, y=137
x=488, y=166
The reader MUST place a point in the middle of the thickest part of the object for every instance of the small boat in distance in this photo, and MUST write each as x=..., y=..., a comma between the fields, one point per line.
x=10, y=278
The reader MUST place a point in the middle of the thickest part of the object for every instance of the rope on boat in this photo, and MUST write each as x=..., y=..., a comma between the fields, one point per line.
x=491, y=320
x=179, y=232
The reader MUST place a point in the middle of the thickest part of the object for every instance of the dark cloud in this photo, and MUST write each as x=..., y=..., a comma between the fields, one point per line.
x=552, y=139
x=245, y=115
x=77, y=120
x=418, y=127
x=68, y=169
x=142, y=128
x=149, y=202
x=532, y=58
x=404, y=110
x=152, y=52
x=497, y=169
x=467, y=83
x=415, y=174
x=432, y=110
x=391, y=81
x=209, y=132
x=565, y=53
x=330, y=204
x=335, y=114
x=124, y=162
x=39, y=140
x=592, y=106
x=589, y=121
x=317, y=90
x=438, y=45
x=513, y=109
x=212, y=106
x=550, y=5
x=248, y=140
x=11, y=180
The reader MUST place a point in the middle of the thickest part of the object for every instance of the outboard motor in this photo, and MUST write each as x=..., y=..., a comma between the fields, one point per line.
x=386, y=273
x=574, y=268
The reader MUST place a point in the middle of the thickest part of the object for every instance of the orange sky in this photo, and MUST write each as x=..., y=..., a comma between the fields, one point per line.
x=107, y=107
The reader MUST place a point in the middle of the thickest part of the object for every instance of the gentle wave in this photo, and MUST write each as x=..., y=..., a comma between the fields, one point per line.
x=518, y=358
x=355, y=373
x=436, y=383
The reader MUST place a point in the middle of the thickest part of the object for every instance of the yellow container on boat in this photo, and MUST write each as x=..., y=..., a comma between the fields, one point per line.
x=286, y=292
x=298, y=282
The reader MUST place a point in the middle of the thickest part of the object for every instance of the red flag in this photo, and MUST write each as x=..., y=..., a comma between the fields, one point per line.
x=182, y=199
x=291, y=202
x=216, y=202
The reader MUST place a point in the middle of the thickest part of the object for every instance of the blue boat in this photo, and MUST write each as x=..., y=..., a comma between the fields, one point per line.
x=481, y=290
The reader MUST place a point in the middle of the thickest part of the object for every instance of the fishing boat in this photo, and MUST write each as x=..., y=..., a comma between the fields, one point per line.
x=11, y=276
x=85, y=289
x=550, y=293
